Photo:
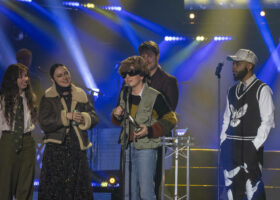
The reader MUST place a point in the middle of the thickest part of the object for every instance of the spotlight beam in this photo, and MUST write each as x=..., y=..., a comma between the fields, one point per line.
x=40, y=36
x=145, y=23
x=180, y=56
x=68, y=34
x=187, y=69
x=255, y=8
x=6, y=51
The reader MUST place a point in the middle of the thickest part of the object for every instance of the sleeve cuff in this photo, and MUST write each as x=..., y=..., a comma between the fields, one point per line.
x=150, y=132
x=87, y=123
x=64, y=119
x=115, y=121
x=256, y=144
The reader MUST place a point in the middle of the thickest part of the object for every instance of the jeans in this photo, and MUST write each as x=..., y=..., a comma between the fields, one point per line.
x=140, y=168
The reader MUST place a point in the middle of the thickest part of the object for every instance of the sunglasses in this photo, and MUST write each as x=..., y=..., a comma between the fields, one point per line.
x=130, y=73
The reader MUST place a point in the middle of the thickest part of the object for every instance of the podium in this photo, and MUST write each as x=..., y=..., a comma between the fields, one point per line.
x=179, y=146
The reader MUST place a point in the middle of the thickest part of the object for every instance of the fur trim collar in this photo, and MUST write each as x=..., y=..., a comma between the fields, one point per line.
x=78, y=94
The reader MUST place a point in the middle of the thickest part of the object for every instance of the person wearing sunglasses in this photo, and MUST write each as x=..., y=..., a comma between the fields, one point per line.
x=151, y=113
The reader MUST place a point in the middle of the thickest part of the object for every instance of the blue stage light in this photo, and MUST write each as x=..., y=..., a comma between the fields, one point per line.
x=70, y=38
x=256, y=8
x=71, y=3
x=112, y=8
x=27, y=1
x=36, y=182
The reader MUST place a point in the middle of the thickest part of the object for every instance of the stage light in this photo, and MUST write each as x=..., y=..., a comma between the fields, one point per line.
x=256, y=8
x=191, y=15
x=181, y=132
x=112, y=8
x=104, y=184
x=262, y=13
x=36, y=182
x=222, y=38
x=200, y=38
x=71, y=3
x=173, y=38
x=89, y=5
x=27, y=1
x=112, y=180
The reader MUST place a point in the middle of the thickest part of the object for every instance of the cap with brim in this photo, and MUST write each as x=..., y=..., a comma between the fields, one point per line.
x=244, y=55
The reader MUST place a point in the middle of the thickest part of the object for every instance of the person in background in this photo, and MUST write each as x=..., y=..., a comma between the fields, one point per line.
x=65, y=115
x=163, y=82
x=248, y=119
x=17, y=147
x=24, y=56
x=159, y=79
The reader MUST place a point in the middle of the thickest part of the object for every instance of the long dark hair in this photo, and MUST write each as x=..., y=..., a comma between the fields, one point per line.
x=9, y=93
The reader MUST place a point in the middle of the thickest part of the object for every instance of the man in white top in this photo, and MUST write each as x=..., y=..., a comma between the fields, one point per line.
x=248, y=118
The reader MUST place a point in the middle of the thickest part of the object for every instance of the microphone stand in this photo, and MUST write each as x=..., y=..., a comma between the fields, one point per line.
x=126, y=94
x=218, y=74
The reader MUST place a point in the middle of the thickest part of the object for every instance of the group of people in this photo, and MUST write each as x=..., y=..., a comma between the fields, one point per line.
x=145, y=111
x=65, y=114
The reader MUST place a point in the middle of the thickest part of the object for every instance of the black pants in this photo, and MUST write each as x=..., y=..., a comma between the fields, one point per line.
x=242, y=165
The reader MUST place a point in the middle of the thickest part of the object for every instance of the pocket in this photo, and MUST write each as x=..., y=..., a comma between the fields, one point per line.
x=143, y=116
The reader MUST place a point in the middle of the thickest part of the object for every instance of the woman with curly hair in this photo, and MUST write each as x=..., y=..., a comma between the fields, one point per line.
x=17, y=147
x=65, y=115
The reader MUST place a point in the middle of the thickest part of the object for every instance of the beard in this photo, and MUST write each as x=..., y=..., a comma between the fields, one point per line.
x=240, y=75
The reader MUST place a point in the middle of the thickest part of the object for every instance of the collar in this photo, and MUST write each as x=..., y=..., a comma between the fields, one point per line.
x=141, y=92
x=23, y=95
x=78, y=94
x=248, y=81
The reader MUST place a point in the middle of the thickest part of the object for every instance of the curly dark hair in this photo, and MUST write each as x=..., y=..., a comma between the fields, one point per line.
x=9, y=93
x=135, y=63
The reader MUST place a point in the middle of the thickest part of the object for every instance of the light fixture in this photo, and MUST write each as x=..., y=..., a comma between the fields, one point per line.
x=71, y=3
x=26, y=1
x=112, y=8
x=222, y=38
x=112, y=180
x=262, y=13
x=191, y=15
x=181, y=132
x=174, y=38
x=104, y=184
x=200, y=38
x=89, y=5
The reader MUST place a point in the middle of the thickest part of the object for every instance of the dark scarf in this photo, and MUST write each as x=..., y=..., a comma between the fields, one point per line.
x=67, y=97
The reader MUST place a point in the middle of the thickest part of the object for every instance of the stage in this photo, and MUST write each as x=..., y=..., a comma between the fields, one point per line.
x=92, y=38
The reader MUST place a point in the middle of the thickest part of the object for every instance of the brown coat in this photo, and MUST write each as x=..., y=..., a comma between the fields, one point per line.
x=53, y=121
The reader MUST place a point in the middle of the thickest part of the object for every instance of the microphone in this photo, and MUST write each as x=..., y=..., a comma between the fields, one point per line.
x=127, y=88
x=137, y=128
x=219, y=69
